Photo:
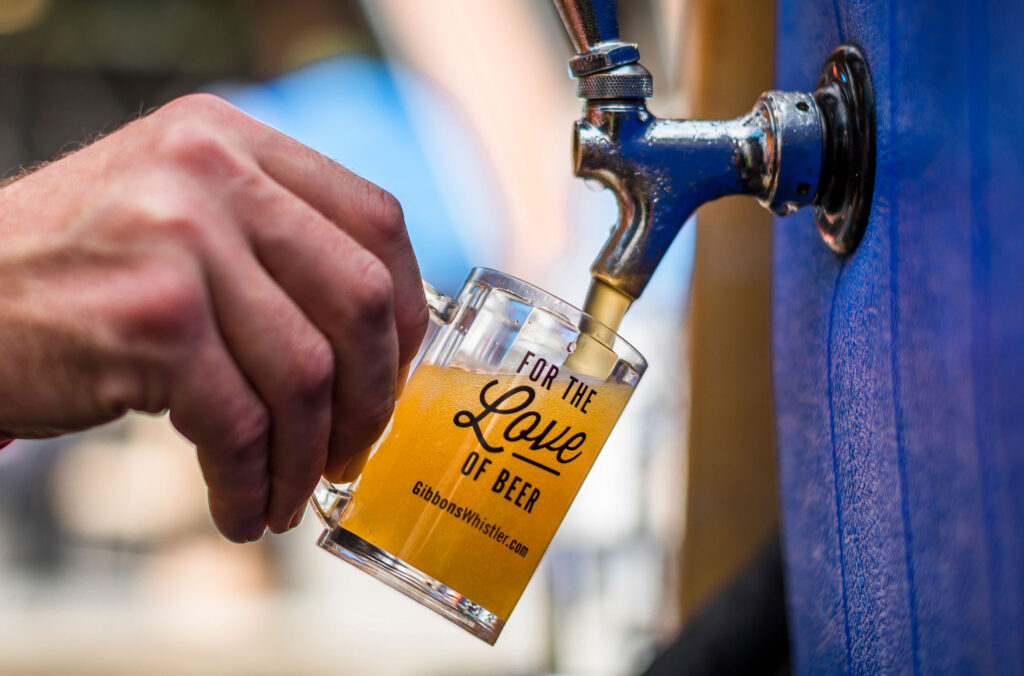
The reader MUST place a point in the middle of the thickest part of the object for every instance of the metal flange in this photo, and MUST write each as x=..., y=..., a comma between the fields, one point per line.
x=846, y=101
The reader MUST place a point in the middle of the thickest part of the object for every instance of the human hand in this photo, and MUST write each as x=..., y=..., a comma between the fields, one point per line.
x=198, y=261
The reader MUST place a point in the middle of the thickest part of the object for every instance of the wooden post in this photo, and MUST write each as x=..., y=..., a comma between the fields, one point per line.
x=732, y=504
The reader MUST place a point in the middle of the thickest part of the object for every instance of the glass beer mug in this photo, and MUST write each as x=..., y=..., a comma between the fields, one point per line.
x=511, y=397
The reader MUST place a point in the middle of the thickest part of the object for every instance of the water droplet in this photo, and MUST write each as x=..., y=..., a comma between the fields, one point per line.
x=572, y=347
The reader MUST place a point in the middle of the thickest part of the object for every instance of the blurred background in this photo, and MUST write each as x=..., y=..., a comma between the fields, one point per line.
x=109, y=563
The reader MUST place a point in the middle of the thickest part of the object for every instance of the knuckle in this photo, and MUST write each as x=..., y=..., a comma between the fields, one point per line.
x=120, y=390
x=164, y=212
x=390, y=208
x=385, y=212
x=200, y=104
x=247, y=436
x=178, y=224
x=312, y=371
x=373, y=293
x=180, y=295
x=375, y=418
x=169, y=310
x=196, y=146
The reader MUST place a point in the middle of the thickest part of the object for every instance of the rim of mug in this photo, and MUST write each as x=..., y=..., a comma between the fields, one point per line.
x=552, y=303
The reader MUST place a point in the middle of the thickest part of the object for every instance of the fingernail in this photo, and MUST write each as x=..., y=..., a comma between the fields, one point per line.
x=337, y=477
x=255, y=530
x=355, y=466
x=280, y=524
x=297, y=518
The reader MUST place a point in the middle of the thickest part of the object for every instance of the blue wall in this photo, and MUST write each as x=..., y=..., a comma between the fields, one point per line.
x=899, y=371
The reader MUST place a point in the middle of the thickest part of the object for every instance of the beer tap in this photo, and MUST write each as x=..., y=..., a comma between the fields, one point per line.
x=792, y=150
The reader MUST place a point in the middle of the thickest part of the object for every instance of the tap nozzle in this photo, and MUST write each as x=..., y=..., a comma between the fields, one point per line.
x=661, y=171
x=793, y=149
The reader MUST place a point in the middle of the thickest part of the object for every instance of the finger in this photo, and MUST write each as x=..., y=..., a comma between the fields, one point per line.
x=289, y=363
x=403, y=378
x=355, y=466
x=348, y=294
x=213, y=406
x=364, y=394
x=369, y=214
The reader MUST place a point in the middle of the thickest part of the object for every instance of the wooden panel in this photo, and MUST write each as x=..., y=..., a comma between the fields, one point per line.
x=732, y=497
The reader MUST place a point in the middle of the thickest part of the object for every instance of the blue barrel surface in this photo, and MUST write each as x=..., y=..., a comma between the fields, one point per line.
x=899, y=370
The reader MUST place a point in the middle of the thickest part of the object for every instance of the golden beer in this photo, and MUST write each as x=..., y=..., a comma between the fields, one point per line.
x=477, y=470
x=608, y=306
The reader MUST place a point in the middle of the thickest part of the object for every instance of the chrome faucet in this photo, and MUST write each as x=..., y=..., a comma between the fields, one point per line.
x=794, y=149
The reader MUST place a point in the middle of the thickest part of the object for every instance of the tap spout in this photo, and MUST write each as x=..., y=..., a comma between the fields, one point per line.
x=589, y=22
x=661, y=171
x=793, y=149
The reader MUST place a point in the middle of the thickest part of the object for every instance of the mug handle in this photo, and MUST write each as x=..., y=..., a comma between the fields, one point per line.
x=328, y=499
x=442, y=308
